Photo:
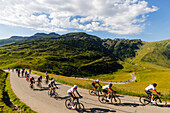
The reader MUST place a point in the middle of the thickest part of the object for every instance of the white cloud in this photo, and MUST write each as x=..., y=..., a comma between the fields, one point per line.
x=115, y=16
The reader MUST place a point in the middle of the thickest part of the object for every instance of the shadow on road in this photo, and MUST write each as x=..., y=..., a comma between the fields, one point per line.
x=119, y=95
x=62, y=98
x=98, y=110
x=167, y=106
x=42, y=89
x=130, y=104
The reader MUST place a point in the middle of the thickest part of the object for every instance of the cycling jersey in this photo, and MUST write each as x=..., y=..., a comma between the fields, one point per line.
x=39, y=78
x=71, y=90
x=51, y=84
x=27, y=75
x=150, y=87
x=95, y=82
x=32, y=80
x=106, y=87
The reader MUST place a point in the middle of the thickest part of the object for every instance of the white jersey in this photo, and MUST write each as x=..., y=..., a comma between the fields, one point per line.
x=71, y=90
x=150, y=87
x=106, y=87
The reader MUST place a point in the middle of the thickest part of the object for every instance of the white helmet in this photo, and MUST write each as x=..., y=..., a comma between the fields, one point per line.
x=75, y=86
x=97, y=80
x=53, y=80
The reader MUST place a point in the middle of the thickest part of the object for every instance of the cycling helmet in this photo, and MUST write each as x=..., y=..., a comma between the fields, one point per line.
x=53, y=80
x=154, y=84
x=97, y=80
x=110, y=84
x=40, y=76
x=75, y=86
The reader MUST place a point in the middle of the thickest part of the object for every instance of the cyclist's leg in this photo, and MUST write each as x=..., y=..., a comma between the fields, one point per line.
x=51, y=90
x=72, y=99
x=94, y=87
x=108, y=95
x=150, y=95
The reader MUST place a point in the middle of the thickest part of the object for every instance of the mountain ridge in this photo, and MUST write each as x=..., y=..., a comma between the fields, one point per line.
x=15, y=39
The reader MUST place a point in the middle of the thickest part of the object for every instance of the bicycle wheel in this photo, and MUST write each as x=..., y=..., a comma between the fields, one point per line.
x=80, y=107
x=68, y=104
x=99, y=93
x=115, y=101
x=161, y=102
x=143, y=100
x=91, y=92
x=102, y=99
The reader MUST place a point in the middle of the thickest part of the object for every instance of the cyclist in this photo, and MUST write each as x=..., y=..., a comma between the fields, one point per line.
x=39, y=80
x=26, y=73
x=148, y=91
x=18, y=72
x=106, y=88
x=71, y=93
x=32, y=81
x=46, y=76
x=51, y=86
x=23, y=70
x=27, y=76
x=94, y=85
x=29, y=71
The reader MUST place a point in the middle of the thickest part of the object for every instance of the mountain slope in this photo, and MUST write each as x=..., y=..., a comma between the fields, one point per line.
x=72, y=54
x=155, y=52
x=15, y=39
x=64, y=55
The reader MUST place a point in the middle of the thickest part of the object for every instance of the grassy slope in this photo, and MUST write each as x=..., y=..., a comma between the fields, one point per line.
x=2, y=89
x=156, y=53
x=6, y=87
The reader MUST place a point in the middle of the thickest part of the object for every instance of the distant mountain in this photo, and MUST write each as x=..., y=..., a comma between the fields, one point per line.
x=154, y=52
x=15, y=39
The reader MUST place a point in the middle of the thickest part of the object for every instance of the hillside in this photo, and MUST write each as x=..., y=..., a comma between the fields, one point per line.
x=155, y=52
x=15, y=39
x=72, y=54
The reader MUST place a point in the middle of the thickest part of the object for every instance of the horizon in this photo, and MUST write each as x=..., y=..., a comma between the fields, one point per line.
x=147, y=20
x=122, y=38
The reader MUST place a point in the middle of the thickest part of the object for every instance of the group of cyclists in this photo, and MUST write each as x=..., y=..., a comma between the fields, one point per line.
x=107, y=89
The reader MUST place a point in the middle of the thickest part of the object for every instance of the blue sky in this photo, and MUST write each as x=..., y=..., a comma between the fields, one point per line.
x=147, y=20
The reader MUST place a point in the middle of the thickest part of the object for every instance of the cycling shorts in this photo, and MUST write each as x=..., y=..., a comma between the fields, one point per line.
x=70, y=94
x=105, y=91
x=148, y=92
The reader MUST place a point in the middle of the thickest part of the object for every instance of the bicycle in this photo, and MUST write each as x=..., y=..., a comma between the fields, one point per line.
x=113, y=98
x=98, y=91
x=54, y=93
x=78, y=106
x=159, y=100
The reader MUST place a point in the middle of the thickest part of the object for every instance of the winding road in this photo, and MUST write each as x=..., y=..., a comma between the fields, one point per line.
x=39, y=100
x=124, y=82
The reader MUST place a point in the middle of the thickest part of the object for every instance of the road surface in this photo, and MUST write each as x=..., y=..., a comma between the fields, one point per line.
x=39, y=100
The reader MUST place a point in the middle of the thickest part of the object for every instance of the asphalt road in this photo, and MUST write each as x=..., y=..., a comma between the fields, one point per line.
x=39, y=100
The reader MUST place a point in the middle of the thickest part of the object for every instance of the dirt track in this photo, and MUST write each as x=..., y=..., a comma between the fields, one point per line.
x=39, y=100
